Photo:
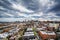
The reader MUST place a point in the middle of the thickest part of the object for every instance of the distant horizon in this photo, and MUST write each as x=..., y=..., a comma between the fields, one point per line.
x=19, y=19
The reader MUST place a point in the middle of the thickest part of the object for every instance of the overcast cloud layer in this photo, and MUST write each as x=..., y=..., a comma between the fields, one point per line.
x=17, y=10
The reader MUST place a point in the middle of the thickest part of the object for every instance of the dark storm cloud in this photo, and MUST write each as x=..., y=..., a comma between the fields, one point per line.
x=58, y=14
x=56, y=8
x=3, y=10
x=31, y=4
x=23, y=8
x=5, y=4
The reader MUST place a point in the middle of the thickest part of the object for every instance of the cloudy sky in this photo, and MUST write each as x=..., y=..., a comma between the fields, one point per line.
x=19, y=10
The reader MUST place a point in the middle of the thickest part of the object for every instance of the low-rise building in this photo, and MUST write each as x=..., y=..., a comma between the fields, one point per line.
x=45, y=35
x=29, y=35
x=29, y=29
x=4, y=36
